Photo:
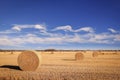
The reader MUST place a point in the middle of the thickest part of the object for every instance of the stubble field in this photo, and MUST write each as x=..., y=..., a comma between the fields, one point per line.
x=61, y=65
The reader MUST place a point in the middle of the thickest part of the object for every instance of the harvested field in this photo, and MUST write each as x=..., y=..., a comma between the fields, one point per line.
x=63, y=66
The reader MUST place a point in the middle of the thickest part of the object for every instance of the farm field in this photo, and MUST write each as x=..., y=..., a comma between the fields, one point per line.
x=62, y=65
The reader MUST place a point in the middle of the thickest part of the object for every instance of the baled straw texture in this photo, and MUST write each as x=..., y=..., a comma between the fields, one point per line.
x=95, y=53
x=29, y=60
x=79, y=56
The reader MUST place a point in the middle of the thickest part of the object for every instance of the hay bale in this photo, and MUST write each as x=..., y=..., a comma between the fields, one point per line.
x=29, y=60
x=79, y=56
x=95, y=53
x=12, y=52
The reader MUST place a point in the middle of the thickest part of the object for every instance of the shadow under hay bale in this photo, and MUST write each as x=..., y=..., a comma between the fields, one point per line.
x=10, y=67
x=68, y=59
x=79, y=56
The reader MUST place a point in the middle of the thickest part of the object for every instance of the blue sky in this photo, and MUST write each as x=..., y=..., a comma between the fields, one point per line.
x=59, y=24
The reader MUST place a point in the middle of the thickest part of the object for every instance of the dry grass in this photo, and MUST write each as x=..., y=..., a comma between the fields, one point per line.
x=63, y=67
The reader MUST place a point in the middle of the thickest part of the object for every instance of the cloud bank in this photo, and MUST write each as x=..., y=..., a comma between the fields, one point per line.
x=36, y=26
x=42, y=35
x=69, y=28
x=112, y=30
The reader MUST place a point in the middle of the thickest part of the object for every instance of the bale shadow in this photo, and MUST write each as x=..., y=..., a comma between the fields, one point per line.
x=68, y=59
x=10, y=67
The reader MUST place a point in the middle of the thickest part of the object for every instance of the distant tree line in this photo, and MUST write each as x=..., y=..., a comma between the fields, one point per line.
x=1, y=50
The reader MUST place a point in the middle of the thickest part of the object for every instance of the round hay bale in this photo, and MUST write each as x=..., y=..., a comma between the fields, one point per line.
x=79, y=56
x=12, y=52
x=29, y=60
x=95, y=53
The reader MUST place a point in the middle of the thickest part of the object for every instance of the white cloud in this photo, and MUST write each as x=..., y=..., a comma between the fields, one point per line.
x=86, y=29
x=30, y=35
x=45, y=36
x=117, y=37
x=103, y=38
x=112, y=30
x=76, y=38
x=41, y=27
x=69, y=28
x=92, y=38
x=65, y=28
x=8, y=31
x=24, y=26
x=36, y=26
x=17, y=28
x=9, y=41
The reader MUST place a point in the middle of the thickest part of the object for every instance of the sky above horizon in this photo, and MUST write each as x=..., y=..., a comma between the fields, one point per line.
x=59, y=24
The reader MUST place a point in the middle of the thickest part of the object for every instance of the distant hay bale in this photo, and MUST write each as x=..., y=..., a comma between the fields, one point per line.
x=103, y=53
x=12, y=52
x=79, y=56
x=29, y=60
x=95, y=53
